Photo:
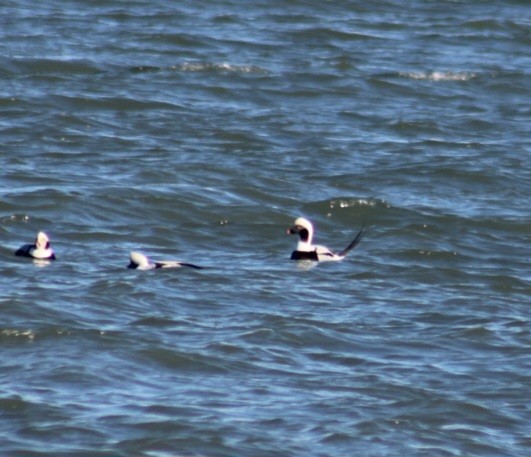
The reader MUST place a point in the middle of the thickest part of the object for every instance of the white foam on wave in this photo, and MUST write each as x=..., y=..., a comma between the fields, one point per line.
x=16, y=218
x=354, y=202
x=223, y=67
x=29, y=334
x=202, y=67
x=439, y=75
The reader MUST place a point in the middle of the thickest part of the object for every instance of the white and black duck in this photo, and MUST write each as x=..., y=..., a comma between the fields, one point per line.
x=308, y=251
x=40, y=250
x=141, y=262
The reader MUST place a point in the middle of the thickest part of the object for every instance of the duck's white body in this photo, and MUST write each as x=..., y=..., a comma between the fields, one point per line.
x=40, y=250
x=141, y=262
x=308, y=251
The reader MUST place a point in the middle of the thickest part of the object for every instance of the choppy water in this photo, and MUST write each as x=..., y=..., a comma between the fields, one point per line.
x=199, y=131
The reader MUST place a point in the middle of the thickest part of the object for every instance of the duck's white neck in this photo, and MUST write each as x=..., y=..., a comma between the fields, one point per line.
x=305, y=246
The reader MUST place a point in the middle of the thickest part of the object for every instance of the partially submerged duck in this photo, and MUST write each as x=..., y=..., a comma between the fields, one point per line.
x=141, y=262
x=40, y=250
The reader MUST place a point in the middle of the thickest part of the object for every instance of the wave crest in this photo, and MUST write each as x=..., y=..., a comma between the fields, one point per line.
x=439, y=75
x=198, y=67
x=356, y=202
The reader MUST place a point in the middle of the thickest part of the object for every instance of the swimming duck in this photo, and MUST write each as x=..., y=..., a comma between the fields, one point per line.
x=308, y=251
x=141, y=262
x=40, y=250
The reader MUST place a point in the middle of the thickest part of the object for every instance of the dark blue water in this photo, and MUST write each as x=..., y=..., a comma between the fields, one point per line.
x=199, y=131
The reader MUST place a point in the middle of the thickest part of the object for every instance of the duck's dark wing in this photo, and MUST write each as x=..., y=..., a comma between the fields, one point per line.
x=176, y=264
x=304, y=255
x=24, y=251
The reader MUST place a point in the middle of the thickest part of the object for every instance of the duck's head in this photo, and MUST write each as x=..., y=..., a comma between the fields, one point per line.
x=137, y=260
x=42, y=241
x=302, y=227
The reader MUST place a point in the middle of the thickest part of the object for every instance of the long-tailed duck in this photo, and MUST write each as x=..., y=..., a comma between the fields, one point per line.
x=308, y=251
x=141, y=262
x=40, y=250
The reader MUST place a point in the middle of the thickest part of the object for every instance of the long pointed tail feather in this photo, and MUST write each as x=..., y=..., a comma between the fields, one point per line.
x=191, y=265
x=354, y=242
